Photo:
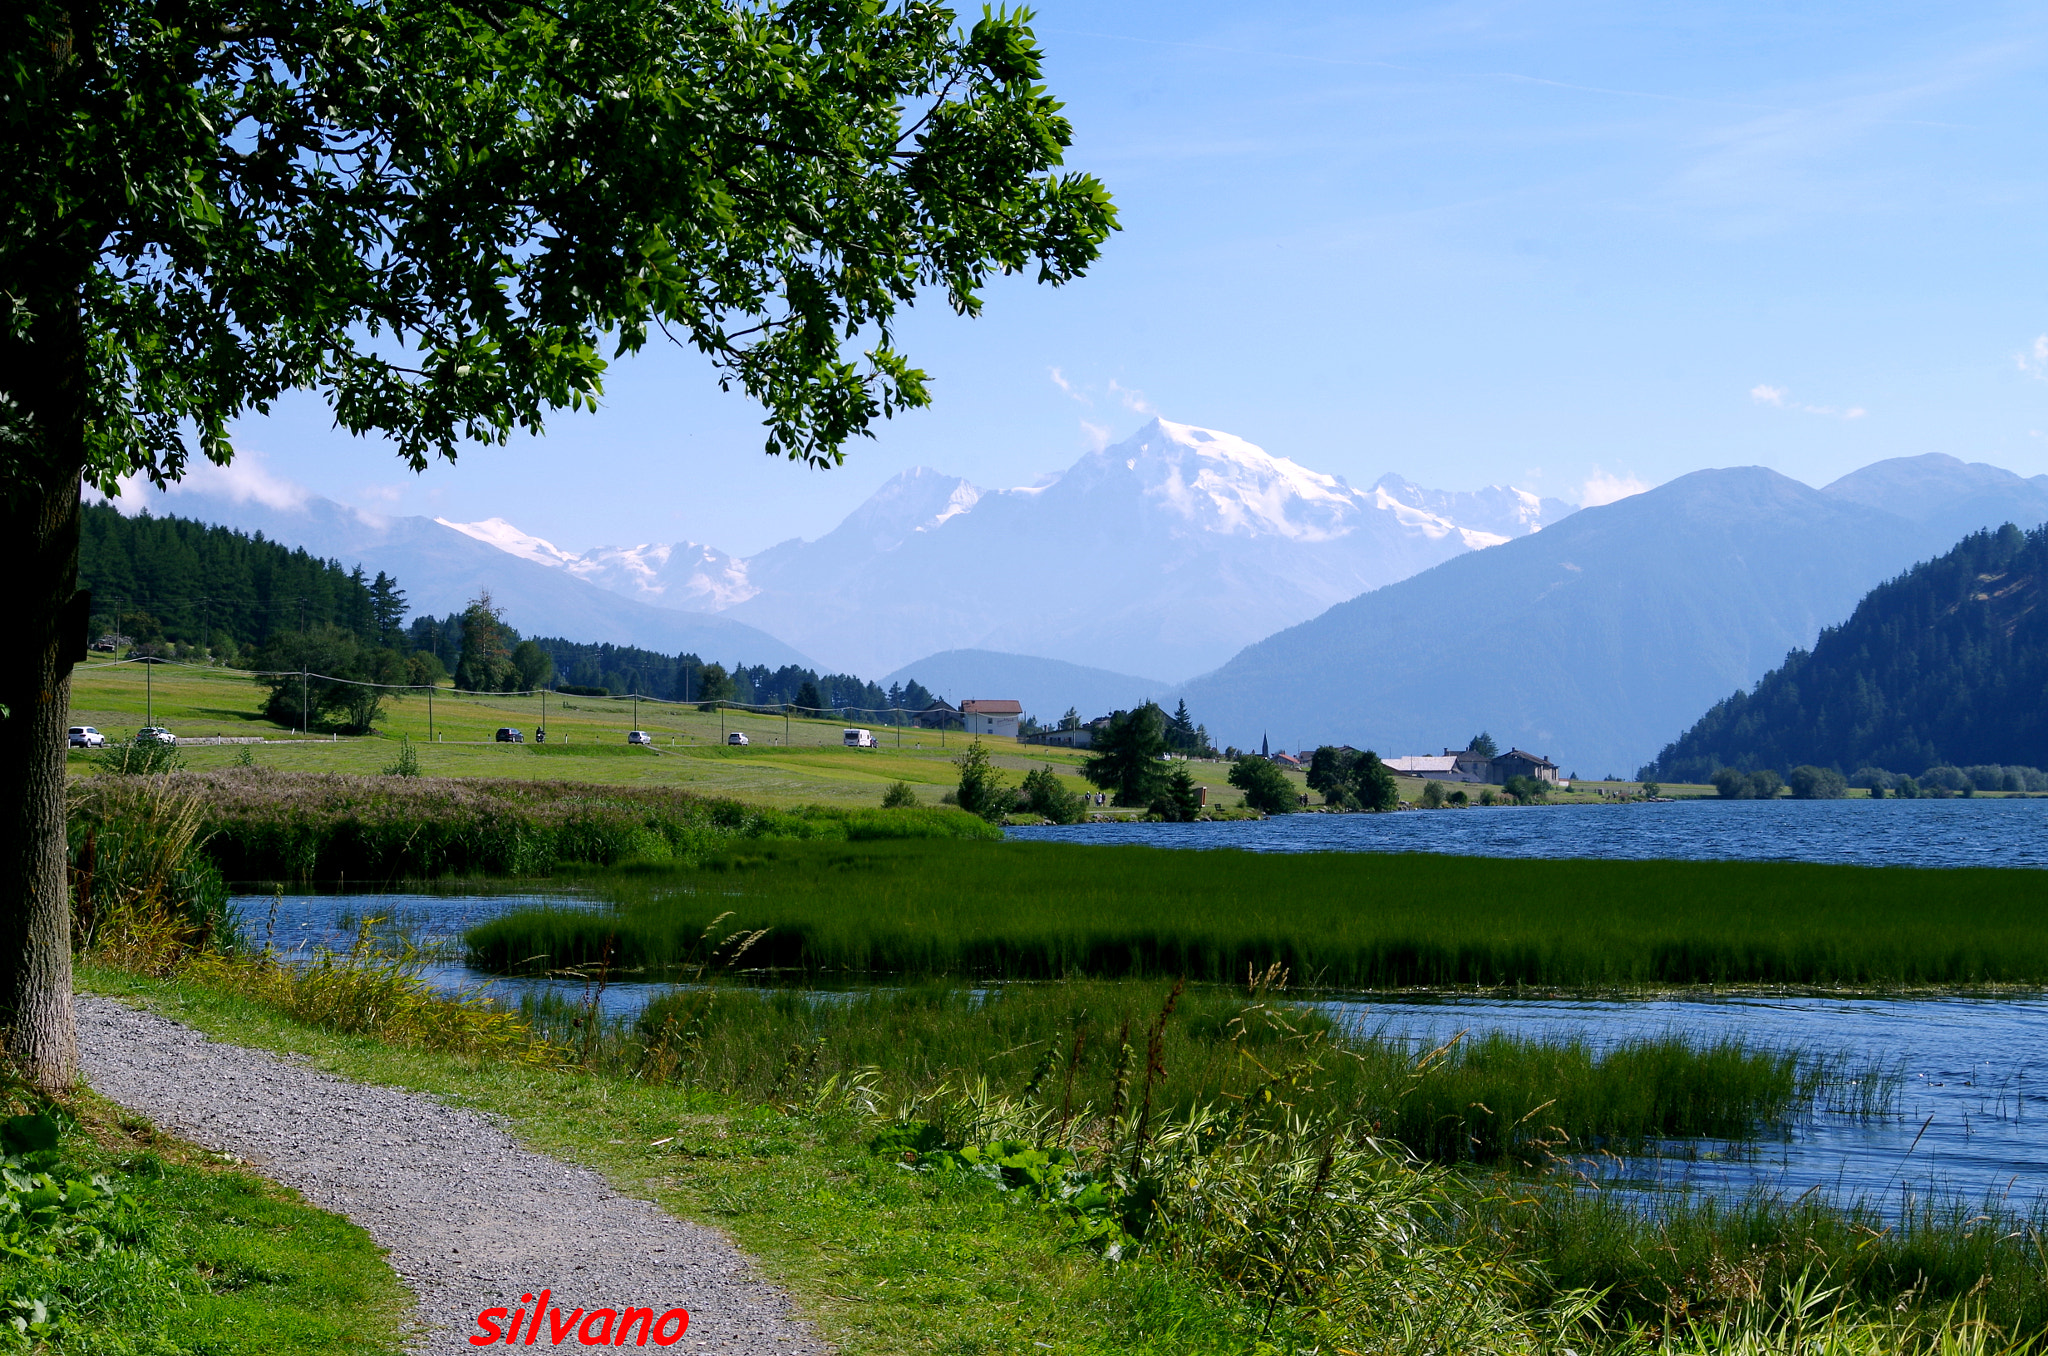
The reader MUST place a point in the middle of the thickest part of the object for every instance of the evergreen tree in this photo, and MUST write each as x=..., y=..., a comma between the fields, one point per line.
x=486, y=663
x=1127, y=751
x=808, y=699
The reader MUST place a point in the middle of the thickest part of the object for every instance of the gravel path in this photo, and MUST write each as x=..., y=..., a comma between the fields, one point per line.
x=470, y=1219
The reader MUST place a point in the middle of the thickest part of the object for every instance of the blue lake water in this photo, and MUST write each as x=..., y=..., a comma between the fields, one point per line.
x=1959, y=832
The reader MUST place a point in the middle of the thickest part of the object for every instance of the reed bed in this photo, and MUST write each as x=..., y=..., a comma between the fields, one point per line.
x=1491, y=1099
x=261, y=824
x=1366, y=921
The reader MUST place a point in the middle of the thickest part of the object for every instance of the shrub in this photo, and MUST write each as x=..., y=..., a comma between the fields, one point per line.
x=1763, y=784
x=1265, y=786
x=982, y=789
x=1817, y=783
x=1433, y=796
x=899, y=796
x=407, y=764
x=1043, y=795
x=138, y=757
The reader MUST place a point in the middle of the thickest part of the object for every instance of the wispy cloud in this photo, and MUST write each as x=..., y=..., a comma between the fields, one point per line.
x=2034, y=361
x=1132, y=399
x=1779, y=397
x=1097, y=435
x=1602, y=488
x=1068, y=389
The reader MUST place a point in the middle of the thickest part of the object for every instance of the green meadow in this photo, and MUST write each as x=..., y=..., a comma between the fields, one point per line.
x=1039, y=910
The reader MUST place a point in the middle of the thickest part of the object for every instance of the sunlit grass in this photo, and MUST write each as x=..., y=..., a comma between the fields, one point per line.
x=1049, y=910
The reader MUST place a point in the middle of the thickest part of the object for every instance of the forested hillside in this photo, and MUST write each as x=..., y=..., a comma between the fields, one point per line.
x=1947, y=664
x=171, y=581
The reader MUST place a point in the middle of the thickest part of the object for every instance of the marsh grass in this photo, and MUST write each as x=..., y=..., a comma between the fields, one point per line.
x=262, y=824
x=144, y=894
x=1365, y=921
x=1488, y=1098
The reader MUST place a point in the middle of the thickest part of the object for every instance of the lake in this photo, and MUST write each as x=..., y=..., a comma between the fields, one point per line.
x=1961, y=832
x=1970, y=1120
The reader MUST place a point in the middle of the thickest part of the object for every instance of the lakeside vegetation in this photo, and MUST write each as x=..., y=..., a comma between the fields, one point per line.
x=1056, y=910
x=1142, y=1165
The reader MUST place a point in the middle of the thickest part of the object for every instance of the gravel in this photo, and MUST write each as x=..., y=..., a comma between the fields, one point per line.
x=470, y=1220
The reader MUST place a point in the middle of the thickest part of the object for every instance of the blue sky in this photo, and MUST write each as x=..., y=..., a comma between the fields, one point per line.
x=1559, y=245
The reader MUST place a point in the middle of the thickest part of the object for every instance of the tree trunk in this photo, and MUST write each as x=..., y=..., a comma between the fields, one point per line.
x=39, y=525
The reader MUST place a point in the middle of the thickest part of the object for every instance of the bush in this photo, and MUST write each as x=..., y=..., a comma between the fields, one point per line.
x=1873, y=779
x=139, y=757
x=899, y=796
x=1763, y=784
x=407, y=764
x=1265, y=786
x=1043, y=795
x=1817, y=783
x=1433, y=796
x=982, y=790
x=1527, y=790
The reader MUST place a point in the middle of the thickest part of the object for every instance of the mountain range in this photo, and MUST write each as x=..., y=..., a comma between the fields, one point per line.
x=1165, y=553
x=1597, y=640
x=1397, y=618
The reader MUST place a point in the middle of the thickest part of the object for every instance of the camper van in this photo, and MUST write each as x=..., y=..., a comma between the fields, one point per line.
x=860, y=739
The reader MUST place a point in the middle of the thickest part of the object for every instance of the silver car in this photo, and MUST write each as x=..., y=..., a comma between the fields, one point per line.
x=155, y=734
x=85, y=737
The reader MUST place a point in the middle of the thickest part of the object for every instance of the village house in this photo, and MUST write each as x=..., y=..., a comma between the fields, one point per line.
x=1515, y=763
x=994, y=718
x=940, y=715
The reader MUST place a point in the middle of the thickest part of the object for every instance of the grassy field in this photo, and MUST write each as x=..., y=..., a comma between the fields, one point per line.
x=1050, y=910
x=787, y=762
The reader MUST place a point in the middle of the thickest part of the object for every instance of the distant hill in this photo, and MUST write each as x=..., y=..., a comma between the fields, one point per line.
x=443, y=568
x=1946, y=664
x=1591, y=640
x=1046, y=687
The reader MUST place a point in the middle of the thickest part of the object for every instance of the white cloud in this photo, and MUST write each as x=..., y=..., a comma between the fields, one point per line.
x=1097, y=435
x=1778, y=397
x=1602, y=488
x=1133, y=400
x=1067, y=388
x=246, y=478
x=2034, y=361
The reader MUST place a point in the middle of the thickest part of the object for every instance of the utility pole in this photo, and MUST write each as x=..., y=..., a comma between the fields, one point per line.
x=149, y=692
x=430, y=711
x=636, y=710
x=304, y=721
x=785, y=725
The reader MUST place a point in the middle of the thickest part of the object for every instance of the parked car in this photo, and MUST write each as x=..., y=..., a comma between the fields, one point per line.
x=736, y=739
x=859, y=739
x=154, y=734
x=639, y=737
x=508, y=735
x=85, y=737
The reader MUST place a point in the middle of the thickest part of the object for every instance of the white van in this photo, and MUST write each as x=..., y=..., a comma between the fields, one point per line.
x=859, y=739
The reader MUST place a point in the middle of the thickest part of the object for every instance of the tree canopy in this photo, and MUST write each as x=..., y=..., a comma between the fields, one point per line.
x=1127, y=751
x=438, y=213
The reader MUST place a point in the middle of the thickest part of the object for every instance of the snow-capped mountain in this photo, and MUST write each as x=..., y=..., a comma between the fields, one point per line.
x=1165, y=554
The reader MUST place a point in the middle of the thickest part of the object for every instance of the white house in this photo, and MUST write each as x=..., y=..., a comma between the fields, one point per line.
x=992, y=717
x=1430, y=767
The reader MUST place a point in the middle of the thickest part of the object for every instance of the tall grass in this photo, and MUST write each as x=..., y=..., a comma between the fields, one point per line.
x=1491, y=1099
x=1049, y=910
x=144, y=894
x=261, y=824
